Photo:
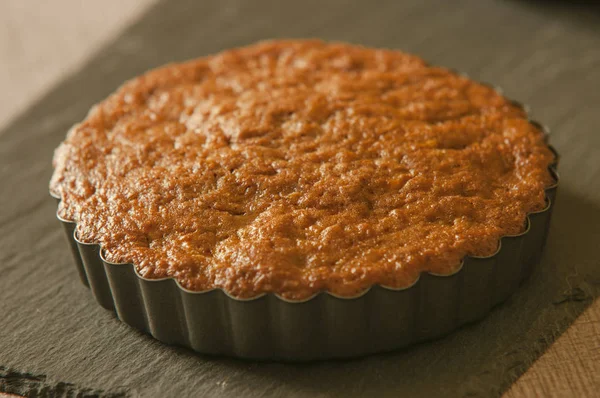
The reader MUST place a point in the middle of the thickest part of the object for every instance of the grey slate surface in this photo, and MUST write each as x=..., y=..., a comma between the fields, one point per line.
x=54, y=339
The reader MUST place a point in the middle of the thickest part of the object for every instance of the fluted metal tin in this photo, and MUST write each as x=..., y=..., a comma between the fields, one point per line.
x=324, y=325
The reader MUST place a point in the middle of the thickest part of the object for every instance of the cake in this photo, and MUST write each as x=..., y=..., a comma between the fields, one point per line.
x=295, y=167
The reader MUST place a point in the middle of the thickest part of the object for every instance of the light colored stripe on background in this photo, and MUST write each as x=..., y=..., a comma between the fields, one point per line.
x=41, y=42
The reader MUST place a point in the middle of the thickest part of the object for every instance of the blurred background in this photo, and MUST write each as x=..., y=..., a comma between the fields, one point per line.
x=40, y=44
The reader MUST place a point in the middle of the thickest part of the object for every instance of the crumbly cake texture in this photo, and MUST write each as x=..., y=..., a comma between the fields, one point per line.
x=300, y=166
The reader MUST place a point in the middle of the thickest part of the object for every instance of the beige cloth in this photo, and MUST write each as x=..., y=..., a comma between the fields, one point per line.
x=41, y=42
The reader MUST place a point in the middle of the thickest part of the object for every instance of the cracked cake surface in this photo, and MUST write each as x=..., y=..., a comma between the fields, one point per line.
x=299, y=166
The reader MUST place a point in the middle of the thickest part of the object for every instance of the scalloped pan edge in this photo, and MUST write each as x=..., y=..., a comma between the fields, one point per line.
x=325, y=325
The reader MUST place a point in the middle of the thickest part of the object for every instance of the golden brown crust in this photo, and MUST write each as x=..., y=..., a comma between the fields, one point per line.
x=300, y=166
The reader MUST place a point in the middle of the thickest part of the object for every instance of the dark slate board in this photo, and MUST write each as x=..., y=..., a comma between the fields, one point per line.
x=55, y=340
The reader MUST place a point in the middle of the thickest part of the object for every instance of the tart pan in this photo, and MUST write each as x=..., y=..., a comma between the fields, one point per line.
x=324, y=325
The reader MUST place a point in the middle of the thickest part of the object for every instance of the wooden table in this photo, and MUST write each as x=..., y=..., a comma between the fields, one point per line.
x=55, y=339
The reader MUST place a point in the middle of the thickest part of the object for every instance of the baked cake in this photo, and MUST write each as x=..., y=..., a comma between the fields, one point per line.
x=299, y=166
